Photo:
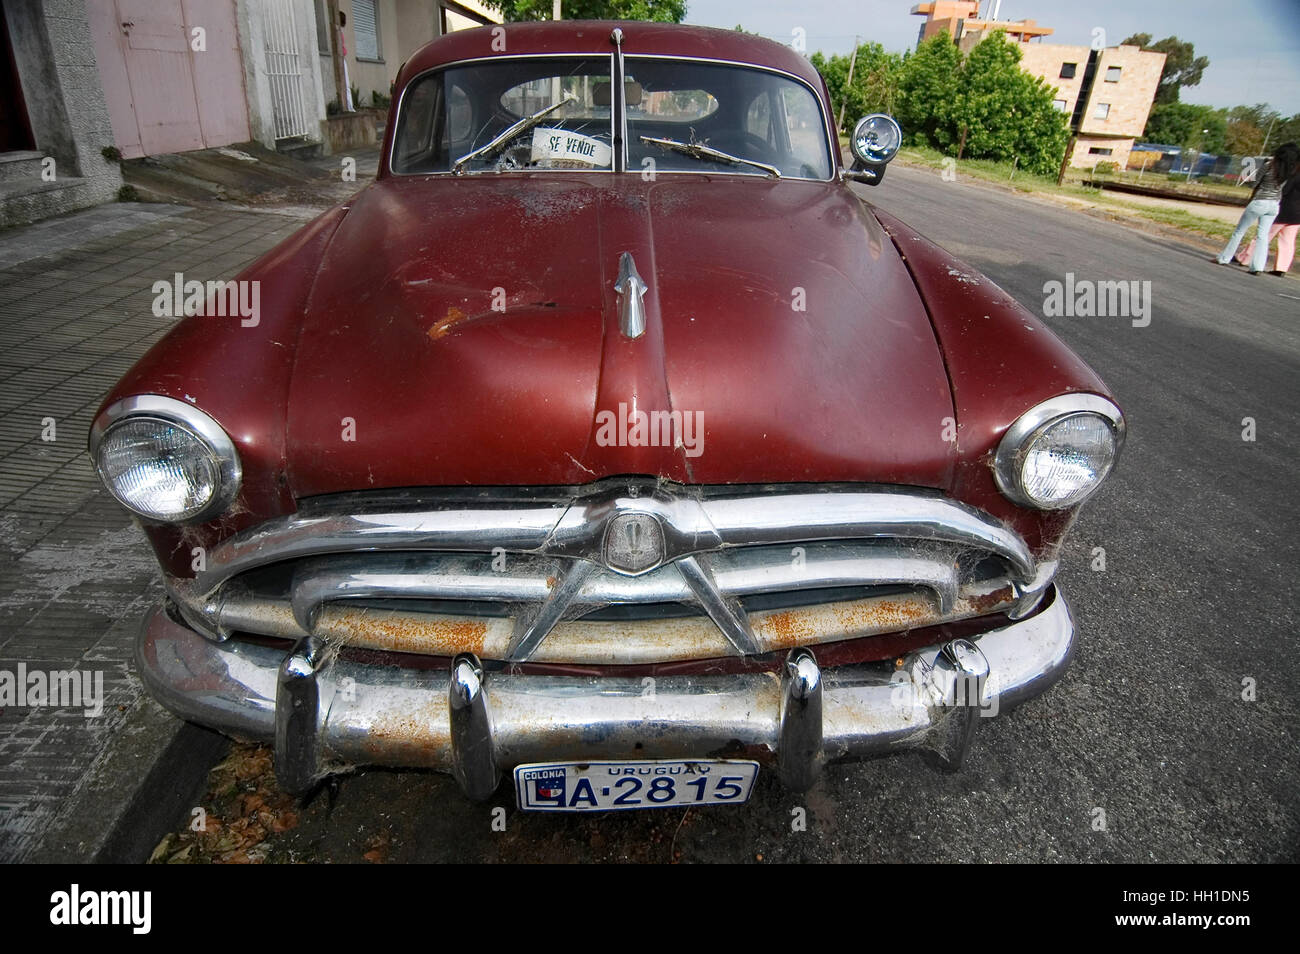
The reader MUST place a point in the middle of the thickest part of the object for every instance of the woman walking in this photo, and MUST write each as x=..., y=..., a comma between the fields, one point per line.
x=1285, y=228
x=1263, y=206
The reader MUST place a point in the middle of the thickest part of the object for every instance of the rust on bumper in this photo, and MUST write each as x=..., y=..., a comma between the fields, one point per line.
x=360, y=713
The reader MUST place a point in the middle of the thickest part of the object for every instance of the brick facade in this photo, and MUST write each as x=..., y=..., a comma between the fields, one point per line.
x=1123, y=88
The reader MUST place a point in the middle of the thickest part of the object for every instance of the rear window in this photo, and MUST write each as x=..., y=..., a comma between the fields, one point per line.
x=674, y=106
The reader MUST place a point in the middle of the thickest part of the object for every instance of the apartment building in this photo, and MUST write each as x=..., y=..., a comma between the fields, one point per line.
x=1106, y=93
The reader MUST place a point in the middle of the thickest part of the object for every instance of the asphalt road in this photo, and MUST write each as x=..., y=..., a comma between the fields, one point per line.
x=1147, y=751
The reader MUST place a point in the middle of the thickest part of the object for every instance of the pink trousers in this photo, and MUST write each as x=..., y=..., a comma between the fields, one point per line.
x=1285, y=246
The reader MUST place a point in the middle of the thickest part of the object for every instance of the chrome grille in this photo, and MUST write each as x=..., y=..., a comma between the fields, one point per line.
x=518, y=574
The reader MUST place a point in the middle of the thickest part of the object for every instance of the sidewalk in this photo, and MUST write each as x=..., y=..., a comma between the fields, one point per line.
x=75, y=573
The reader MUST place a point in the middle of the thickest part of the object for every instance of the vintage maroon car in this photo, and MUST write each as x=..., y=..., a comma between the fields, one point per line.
x=612, y=438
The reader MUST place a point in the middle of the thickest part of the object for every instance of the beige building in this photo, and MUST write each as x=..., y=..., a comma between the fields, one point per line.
x=1106, y=93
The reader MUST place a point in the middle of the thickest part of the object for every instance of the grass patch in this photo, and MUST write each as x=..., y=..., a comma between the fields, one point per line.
x=1006, y=174
x=1186, y=221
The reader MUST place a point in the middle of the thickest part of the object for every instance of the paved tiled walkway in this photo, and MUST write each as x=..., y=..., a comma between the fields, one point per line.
x=75, y=575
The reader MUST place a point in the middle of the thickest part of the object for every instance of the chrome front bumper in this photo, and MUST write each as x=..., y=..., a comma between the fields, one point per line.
x=324, y=713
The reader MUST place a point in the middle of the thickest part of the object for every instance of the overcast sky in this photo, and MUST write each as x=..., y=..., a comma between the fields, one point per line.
x=1253, y=45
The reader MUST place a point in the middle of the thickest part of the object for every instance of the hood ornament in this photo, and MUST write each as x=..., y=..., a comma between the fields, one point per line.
x=631, y=290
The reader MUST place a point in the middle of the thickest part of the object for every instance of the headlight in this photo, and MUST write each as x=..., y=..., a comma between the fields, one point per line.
x=165, y=460
x=1058, y=452
x=876, y=139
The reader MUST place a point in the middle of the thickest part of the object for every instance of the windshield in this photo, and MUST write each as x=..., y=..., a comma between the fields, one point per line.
x=451, y=114
x=751, y=114
x=555, y=113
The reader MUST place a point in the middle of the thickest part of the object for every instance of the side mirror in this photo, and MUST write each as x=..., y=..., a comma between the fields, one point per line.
x=875, y=141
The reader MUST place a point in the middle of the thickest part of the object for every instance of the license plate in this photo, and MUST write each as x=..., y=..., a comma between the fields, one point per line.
x=617, y=786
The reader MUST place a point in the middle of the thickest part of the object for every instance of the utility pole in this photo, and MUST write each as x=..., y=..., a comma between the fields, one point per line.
x=844, y=103
x=336, y=55
x=555, y=10
x=1267, y=135
x=1065, y=160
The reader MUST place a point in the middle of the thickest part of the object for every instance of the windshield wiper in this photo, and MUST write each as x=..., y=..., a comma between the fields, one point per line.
x=697, y=150
x=525, y=124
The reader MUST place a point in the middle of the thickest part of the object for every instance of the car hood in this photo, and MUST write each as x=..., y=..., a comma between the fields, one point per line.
x=466, y=331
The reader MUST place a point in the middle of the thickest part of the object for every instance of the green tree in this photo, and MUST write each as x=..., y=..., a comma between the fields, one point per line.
x=927, y=88
x=875, y=82
x=662, y=11
x=1249, y=127
x=1182, y=66
x=1286, y=130
x=1007, y=113
x=1243, y=138
x=1188, y=125
x=1042, y=132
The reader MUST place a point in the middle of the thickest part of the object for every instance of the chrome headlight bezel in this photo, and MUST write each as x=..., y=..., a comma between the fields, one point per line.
x=1019, y=438
x=865, y=146
x=188, y=418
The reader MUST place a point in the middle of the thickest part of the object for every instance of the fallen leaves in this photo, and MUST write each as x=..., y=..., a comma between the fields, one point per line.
x=377, y=848
x=242, y=808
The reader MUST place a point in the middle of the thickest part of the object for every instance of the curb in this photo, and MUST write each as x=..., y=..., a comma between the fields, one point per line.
x=137, y=791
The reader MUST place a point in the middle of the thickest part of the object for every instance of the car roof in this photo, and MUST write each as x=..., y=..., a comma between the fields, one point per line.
x=593, y=36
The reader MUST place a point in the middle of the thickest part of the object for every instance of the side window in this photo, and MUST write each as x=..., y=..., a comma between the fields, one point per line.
x=323, y=27
x=758, y=121
x=803, y=121
x=422, y=126
x=460, y=117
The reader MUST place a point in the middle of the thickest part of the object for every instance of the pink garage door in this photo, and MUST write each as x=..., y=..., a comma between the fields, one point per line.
x=164, y=95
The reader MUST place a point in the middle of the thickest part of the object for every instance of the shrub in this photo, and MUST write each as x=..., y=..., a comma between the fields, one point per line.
x=1005, y=113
